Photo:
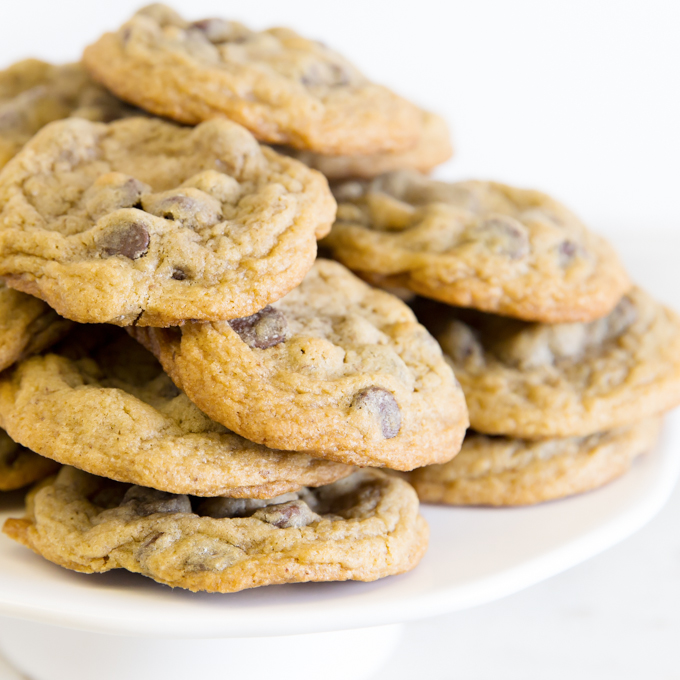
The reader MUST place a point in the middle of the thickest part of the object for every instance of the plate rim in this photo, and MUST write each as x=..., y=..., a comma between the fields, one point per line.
x=390, y=610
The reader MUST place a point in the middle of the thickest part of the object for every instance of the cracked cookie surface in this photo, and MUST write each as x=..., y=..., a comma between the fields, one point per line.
x=335, y=368
x=27, y=326
x=103, y=404
x=476, y=244
x=561, y=380
x=284, y=88
x=506, y=471
x=142, y=221
x=19, y=466
x=34, y=93
x=433, y=147
x=361, y=528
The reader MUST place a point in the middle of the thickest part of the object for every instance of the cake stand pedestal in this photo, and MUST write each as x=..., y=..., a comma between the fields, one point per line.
x=46, y=652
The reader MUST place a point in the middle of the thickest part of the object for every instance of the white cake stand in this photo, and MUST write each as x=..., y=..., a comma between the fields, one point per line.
x=59, y=625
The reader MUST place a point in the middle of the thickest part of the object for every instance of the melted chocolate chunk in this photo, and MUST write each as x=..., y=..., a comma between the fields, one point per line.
x=285, y=515
x=150, y=501
x=262, y=330
x=382, y=405
x=130, y=240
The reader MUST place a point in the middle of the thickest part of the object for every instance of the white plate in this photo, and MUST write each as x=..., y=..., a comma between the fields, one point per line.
x=476, y=555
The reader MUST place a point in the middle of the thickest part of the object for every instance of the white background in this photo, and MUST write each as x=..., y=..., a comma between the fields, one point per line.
x=580, y=99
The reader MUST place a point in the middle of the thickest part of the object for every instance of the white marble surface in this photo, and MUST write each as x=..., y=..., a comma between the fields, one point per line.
x=616, y=617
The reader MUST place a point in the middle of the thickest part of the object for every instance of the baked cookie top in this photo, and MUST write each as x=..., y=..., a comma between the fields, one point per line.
x=362, y=528
x=284, y=88
x=143, y=221
x=477, y=244
x=19, y=466
x=562, y=380
x=27, y=326
x=433, y=147
x=103, y=404
x=506, y=471
x=34, y=93
x=335, y=368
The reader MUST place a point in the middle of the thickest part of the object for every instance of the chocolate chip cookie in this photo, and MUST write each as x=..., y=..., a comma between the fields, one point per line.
x=562, y=380
x=284, y=88
x=433, y=147
x=103, y=404
x=19, y=466
x=362, y=528
x=476, y=244
x=34, y=93
x=335, y=368
x=27, y=326
x=143, y=221
x=506, y=471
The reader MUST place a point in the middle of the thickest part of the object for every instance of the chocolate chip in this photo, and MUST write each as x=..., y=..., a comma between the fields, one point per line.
x=349, y=191
x=149, y=543
x=504, y=236
x=112, y=192
x=262, y=330
x=215, y=30
x=130, y=240
x=340, y=75
x=327, y=74
x=150, y=501
x=461, y=343
x=286, y=515
x=568, y=248
x=623, y=316
x=382, y=405
x=220, y=507
x=132, y=191
x=567, y=251
x=178, y=274
x=108, y=497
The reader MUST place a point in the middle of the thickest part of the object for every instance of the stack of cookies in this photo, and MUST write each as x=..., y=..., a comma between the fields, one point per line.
x=211, y=388
x=566, y=367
